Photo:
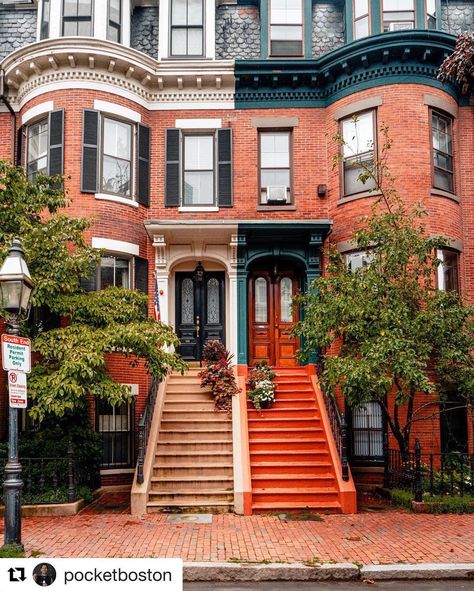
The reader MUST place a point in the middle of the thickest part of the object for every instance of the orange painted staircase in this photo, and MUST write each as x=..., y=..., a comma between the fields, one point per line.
x=294, y=462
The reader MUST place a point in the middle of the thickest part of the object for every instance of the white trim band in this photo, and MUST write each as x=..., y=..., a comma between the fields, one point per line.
x=195, y=208
x=116, y=246
x=36, y=111
x=116, y=199
x=198, y=123
x=119, y=110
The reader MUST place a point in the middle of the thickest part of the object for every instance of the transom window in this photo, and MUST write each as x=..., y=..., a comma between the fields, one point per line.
x=114, y=24
x=187, y=27
x=442, y=132
x=77, y=17
x=114, y=271
x=361, y=18
x=198, y=170
x=275, y=177
x=37, y=149
x=398, y=15
x=286, y=28
x=448, y=270
x=116, y=157
x=358, y=152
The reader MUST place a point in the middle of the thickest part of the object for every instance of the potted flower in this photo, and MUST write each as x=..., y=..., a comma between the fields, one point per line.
x=261, y=387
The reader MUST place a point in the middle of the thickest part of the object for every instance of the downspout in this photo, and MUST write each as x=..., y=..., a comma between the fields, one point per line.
x=4, y=98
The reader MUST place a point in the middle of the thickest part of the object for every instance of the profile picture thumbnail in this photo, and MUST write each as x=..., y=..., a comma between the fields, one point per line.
x=44, y=574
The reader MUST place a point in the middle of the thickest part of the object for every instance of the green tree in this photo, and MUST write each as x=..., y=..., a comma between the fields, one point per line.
x=387, y=333
x=72, y=359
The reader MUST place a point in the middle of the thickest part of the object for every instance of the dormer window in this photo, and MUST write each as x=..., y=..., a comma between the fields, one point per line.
x=187, y=28
x=398, y=15
x=77, y=18
x=286, y=28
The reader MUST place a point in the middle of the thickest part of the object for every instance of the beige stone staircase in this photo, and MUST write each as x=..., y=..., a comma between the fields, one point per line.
x=193, y=463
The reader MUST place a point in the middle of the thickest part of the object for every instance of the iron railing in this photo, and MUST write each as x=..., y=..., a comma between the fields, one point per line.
x=450, y=474
x=144, y=425
x=54, y=480
x=338, y=424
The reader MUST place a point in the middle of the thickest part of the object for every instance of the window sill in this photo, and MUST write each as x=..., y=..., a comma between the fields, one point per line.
x=116, y=199
x=447, y=194
x=276, y=207
x=191, y=209
x=363, y=195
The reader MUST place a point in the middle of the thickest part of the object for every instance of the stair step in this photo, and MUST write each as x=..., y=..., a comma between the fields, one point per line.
x=284, y=504
x=297, y=455
x=283, y=413
x=208, y=497
x=294, y=444
x=300, y=491
x=174, y=435
x=193, y=415
x=284, y=433
x=293, y=481
x=192, y=445
x=178, y=504
x=274, y=422
x=196, y=424
x=193, y=479
x=172, y=458
x=307, y=468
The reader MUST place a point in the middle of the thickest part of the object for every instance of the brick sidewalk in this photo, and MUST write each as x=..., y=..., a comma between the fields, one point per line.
x=369, y=538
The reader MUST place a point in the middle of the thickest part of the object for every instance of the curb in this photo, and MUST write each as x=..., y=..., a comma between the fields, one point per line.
x=345, y=571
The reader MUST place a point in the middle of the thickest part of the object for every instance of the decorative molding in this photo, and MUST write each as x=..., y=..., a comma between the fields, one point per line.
x=114, y=109
x=36, y=111
x=198, y=123
x=357, y=107
x=116, y=246
x=441, y=104
x=160, y=251
x=116, y=199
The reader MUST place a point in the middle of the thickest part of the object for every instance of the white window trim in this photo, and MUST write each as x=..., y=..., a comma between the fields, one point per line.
x=36, y=111
x=116, y=246
x=195, y=208
x=116, y=199
x=118, y=110
x=209, y=31
x=210, y=124
x=440, y=270
x=99, y=20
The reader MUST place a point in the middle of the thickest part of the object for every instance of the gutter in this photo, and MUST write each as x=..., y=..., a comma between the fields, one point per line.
x=5, y=100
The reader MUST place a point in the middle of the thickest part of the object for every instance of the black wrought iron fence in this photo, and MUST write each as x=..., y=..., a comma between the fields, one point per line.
x=54, y=480
x=449, y=474
x=338, y=424
x=144, y=425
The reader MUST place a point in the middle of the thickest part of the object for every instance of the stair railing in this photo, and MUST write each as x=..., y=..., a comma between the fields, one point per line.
x=144, y=425
x=338, y=424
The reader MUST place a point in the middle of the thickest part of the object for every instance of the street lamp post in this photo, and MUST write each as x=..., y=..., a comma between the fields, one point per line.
x=16, y=286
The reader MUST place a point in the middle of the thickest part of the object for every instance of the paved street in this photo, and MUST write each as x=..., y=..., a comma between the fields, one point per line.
x=368, y=538
x=285, y=586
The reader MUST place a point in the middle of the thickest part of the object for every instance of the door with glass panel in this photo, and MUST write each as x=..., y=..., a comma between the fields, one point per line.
x=200, y=311
x=272, y=318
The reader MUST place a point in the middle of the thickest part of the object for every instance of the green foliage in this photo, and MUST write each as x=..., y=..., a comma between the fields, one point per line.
x=218, y=375
x=261, y=386
x=11, y=552
x=72, y=359
x=401, y=498
x=386, y=328
x=434, y=503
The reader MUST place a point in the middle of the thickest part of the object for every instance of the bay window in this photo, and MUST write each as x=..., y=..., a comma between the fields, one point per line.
x=361, y=18
x=114, y=271
x=286, y=28
x=358, y=134
x=187, y=28
x=198, y=170
x=116, y=157
x=77, y=18
x=443, y=162
x=398, y=15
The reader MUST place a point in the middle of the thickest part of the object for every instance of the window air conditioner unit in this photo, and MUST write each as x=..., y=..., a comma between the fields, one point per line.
x=277, y=194
x=401, y=26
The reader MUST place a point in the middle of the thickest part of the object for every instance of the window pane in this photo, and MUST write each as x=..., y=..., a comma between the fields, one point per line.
x=70, y=8
x=69, y=28
x=178, y=42
x=286, y=32
x=113, y=34
x=179, y=12
x=116, y=176
x=114, y=10
x=187, y=301
x=261, y=313
x=275, y=150
x=198, y=152
x=194, y=42
x=353, y=169
x=361, y=7
x=361, y=28
x=358, y=133
x=399, y=4
x=213, y=301
x=198, y=188
x=274, y=178
x=84, y=7
x=84, y=28
x=286, y=48
x=107, y=265
x=117, y=139
x=286, y=11
x=443, y=180
x=38, y=140
x=122, y=274
x=195, y=12
x=398, y=16
x=358, y=260
x=286, y=295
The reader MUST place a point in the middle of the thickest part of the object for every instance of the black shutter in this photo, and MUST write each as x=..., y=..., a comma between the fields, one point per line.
x=141, y=274
x=143, y=165
x=173, y=137
x=19, y=145
x=56, y=143
x=90, y=151
x=224, y=167
x=90, y=283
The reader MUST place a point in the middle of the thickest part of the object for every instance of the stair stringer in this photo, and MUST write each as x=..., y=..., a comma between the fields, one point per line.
x=140, y=492
x=346, y=489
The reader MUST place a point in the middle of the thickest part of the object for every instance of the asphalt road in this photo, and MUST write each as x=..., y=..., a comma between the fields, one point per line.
x=316, y=586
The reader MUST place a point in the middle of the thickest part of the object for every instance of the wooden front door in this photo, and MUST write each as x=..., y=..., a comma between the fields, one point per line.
x=200, y=312
x=272, y=318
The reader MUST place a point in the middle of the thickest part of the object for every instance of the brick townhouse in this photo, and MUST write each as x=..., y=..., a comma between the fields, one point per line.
x=197, y=136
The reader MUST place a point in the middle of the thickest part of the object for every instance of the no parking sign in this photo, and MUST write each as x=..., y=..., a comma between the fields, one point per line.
x=17, y=389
